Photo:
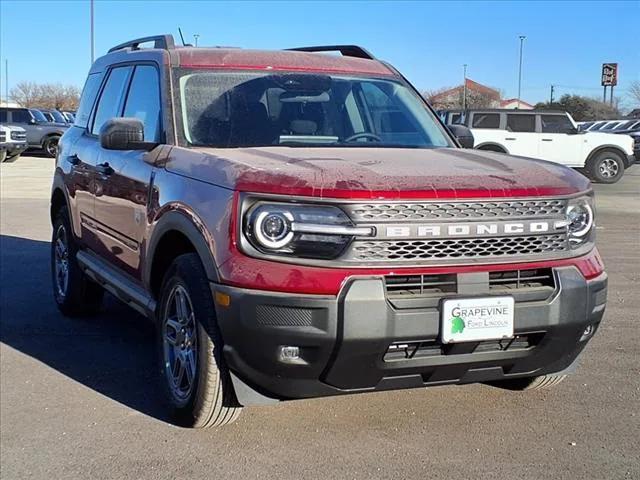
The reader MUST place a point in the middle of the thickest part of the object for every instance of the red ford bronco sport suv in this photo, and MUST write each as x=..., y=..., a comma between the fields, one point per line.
x=300, y=224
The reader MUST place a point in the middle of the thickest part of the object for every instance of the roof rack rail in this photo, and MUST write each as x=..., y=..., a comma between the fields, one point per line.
x=345, y=50
x=164, y=42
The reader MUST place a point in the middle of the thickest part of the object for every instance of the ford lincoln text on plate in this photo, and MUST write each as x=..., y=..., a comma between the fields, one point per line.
x=301, y=225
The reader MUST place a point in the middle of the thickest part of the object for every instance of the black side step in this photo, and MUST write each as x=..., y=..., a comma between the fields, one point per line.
x=117, y=283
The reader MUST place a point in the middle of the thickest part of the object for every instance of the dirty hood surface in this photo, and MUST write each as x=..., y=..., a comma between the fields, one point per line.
x=376, y=173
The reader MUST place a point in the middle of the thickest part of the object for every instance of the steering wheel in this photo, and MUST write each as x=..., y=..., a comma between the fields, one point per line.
x=358, y=136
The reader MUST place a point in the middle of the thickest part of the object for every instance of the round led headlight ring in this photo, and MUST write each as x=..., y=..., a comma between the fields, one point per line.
x=273, y=229
x=580, y=217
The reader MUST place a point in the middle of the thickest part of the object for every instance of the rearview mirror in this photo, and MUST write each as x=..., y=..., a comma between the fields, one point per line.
x=462, y=134
x=124, y=134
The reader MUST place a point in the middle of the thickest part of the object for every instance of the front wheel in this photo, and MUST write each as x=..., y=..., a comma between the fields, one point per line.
x=606, y=167
x=194, y=375
x=50, y=146
x=531, y=383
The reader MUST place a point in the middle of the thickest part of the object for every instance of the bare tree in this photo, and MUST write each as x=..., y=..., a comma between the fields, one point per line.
x=26, y=94
x=634, y=92
x=47, y=95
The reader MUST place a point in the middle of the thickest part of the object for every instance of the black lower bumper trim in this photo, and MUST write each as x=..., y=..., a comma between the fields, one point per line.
x=344, y=341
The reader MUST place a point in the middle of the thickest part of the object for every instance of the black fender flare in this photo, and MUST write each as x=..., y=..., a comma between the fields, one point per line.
x=180, y=222
x=492, y=144
x=601, y=148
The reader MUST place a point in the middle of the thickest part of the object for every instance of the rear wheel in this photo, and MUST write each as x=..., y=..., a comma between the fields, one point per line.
x=532, y=383
x=50, y=146
x=606, y=167
x=196, y=381
x=74, y=292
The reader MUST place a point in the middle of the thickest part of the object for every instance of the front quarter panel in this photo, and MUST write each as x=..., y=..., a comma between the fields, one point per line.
x=199, y=210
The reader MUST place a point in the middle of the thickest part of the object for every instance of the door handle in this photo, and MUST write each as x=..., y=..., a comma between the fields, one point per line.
x=510, y=138
x=73, y=159
x=547, y=139
x=104, y=168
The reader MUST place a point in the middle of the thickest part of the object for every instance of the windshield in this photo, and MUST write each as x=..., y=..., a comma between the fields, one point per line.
x=58, y=116
x=256, y=109
x=38, y=116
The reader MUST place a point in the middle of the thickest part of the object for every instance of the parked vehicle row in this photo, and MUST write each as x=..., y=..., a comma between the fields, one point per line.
x=548, y=135
x=13, y=141
x=43, y=128
x=611, y=126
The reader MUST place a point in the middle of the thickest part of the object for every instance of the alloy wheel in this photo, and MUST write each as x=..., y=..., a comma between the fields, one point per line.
x=52, y=148
x=609, y=168
x=61, y=261
x=180, y=348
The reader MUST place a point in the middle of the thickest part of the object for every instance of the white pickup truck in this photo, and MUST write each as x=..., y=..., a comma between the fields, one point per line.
x=548, y=135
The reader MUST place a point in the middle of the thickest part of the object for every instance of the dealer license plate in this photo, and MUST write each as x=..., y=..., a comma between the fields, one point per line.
x=474, y=319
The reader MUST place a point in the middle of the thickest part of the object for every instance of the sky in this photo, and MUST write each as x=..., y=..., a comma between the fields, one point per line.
x=566, y=42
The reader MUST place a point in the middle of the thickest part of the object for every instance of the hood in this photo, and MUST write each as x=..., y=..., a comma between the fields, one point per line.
x=376, y=173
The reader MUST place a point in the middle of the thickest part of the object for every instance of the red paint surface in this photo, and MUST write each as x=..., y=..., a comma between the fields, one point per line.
x=240, y=59
x=246, y=272
x=378, y=173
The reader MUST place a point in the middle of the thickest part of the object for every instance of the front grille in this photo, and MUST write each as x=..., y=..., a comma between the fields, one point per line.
x=3, y=137
x=463, y=210
x=439, y=285
x=456, y=249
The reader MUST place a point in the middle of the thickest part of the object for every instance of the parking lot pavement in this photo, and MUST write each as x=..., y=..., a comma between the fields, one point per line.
x=78, y=398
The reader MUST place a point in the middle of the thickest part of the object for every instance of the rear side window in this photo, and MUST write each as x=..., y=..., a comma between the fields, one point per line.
x=486, y=120
x=556, y=124
x=88, y=98
x=110, y=103
x=143, y=101
x=521, y=123
x=20, y=116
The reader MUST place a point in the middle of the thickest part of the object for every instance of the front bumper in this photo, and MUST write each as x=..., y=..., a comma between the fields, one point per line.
x=344, y=341
x=14, y=148
x=631, y=159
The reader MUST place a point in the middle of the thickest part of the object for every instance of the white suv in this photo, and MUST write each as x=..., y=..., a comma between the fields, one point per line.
x=549, y=135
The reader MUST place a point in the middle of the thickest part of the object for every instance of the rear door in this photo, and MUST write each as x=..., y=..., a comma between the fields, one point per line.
x=123, y=177
x=87, y=150
x=521, y=137
x=558, y=141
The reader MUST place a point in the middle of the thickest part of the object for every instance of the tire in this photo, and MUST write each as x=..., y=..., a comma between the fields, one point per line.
x=50, y=146
x=74, y=292
x=3, y=156
x=189, y=341
x=492, y=148
x=606, y=167
x=531, y=383
x=12, y=158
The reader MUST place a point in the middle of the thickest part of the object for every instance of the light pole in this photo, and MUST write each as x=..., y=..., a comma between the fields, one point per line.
x=6, y=81
x=464, y=87
x=196, y=36
x=91, y=30
x=522, y=37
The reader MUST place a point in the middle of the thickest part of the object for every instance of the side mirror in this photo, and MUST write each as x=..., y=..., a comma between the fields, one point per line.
x=462, y=134
x=124, y=134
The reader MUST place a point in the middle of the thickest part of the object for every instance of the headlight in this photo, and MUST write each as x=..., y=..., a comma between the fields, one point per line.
x=306, y=231
x=580, y=221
